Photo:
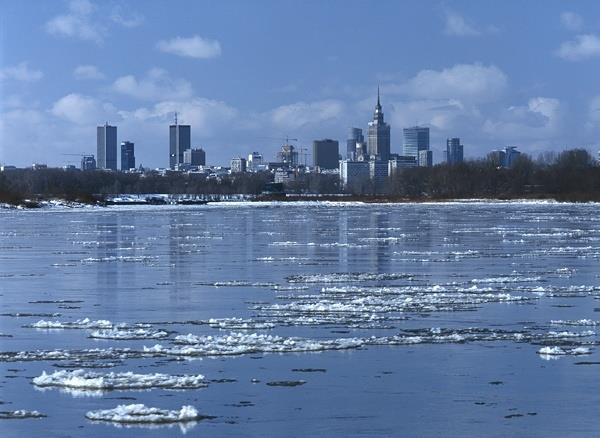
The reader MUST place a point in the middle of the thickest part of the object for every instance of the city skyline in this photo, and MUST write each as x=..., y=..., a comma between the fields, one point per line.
x=467, y=78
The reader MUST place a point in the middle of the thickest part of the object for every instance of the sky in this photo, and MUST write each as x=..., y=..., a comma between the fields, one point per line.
x=246, y=74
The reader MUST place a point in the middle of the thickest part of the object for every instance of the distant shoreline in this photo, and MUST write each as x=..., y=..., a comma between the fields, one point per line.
x=43, y=203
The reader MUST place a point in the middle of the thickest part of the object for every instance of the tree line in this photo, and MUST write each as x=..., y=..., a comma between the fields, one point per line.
x=572, y=175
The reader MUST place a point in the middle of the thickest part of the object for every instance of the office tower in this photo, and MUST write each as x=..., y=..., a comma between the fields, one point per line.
x=355, y=175
x=511, y=154
x=238, y=164
x=127, y=156
x=107, y=147
x=416, y=139
x=454, y=151
x=425, y=158
x=378, y=140
x=255, y=161
x=355, y=136
x=88, y=162
x=194, y=157
x=180, y=140
x=326, y=153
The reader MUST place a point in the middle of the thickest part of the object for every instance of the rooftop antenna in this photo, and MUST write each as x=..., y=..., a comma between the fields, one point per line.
x=175, y=117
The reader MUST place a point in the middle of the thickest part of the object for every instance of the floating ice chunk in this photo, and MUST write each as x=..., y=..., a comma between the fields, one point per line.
x=82, y=379
x=123, y=334
x=583, y=322
x=508, y=279
x=84, y=323
x=139, y=413
x=239, y=324
x=20, y=414
x=241, y=343
x=345, y=277
x=560, y=351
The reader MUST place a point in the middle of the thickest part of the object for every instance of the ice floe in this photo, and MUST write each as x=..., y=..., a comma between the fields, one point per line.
x=20, y=414
x=84, y=323
x=561, y=351
x=346, y=277
x=124, y=334
x=82, y=379
x=140, y=414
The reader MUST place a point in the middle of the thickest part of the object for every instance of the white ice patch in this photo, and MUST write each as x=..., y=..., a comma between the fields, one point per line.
x=241, y=343
x=346, y=277
x=84, y=323
x=239, y=324
x=140, y=414
x=82, y=379
x=560, y=351
x=123, y=334
x=580, y=322
x=20, y=414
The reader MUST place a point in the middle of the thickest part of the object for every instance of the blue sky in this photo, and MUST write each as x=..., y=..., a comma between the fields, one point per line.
x=244, y=73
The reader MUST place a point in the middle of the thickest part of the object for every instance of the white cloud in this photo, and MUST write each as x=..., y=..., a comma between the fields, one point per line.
x=540, y=119
x=301, y=114
x=77, y=22
x=156, y=85
x=473, y=82
x=21, y=72
x=193, y=47
x=87, y=72
x=205, y=115
x=444, y=114
x=571, y=21
x=584, y=46
x=456, y=25
x=82, y=110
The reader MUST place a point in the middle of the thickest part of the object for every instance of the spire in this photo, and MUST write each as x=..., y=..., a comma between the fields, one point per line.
x=378, y=116
x=378, y=104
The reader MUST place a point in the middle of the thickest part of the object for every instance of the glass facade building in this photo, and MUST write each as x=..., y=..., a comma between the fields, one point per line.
x=180, y=140
x=127, y=155
x=415, y=139
x=106, y=149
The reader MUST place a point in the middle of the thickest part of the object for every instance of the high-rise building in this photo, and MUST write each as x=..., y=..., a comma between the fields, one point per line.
x=425, y=158
x=127, y=155
x=354, y=137
x=378, y=139
x=416, y=139
x=511, y=154
x=238, y=165
x=88, y=162
x=107, y=147
x=194, y=157
x=326, y=153
x=180, y=140
x=454, y=151
x=355, y=175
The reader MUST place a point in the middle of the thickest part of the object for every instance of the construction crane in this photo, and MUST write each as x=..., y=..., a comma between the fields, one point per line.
x=81, y=155
x=286, y=139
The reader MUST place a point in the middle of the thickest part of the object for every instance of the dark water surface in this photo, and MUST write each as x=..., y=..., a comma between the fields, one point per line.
x=459, y=319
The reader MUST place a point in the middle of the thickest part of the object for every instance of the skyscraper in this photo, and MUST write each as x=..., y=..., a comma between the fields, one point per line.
x=378, y=139
x=416, y=139
x=326, y=153
x=180, y=139
x=127, y=155
x=194, y=157
x=355, y=136
x=454, y=151
x=107, y=147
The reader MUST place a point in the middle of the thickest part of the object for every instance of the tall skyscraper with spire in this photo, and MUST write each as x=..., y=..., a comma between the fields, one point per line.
x=378, y=139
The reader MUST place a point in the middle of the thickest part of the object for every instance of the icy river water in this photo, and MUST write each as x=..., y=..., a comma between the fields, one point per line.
x=301, y=319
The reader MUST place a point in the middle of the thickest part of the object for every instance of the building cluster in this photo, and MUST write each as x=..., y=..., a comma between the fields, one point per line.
x=370, y=164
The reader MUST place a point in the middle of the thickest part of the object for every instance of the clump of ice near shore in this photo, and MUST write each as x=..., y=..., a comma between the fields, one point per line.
x=81, y=379
x=142, y=414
